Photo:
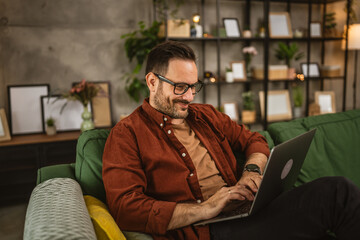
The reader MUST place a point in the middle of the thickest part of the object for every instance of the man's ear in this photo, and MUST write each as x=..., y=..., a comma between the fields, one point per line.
x=151, y=81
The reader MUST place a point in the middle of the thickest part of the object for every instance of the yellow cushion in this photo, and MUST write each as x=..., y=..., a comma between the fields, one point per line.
x=104, y=224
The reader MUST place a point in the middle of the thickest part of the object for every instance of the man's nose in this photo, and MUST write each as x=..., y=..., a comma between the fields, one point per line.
x=188, y=95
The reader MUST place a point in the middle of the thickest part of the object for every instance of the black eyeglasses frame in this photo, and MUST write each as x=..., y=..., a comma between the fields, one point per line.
x=191, y=86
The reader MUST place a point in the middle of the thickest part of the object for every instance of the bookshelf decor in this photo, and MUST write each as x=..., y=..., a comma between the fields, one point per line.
x=280, y=25
x=278, y=105
x=326, y=101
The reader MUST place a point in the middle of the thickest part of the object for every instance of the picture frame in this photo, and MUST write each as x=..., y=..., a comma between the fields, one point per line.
x=25, y=108
x=314, y=69
x=232, y=27
x=4, y=127
x=326, y=101
x=278, y=105
x=67, y=120
x=101, y=105
x=280, y=25
x=315, y=29
x=231, y=109
x=239, y=71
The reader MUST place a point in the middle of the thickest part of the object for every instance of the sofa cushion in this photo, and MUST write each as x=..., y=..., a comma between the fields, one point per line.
x=335, y=149
x=104, y=224
x=88, y=168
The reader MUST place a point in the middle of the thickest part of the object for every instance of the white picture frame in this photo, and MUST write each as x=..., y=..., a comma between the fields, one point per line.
x=315, y=29
x=280, y=25
x=314, y=70
x=67, y=120
x=232, y=27
x=231, y=109
x=326, y=101
x=25, y=108
x=239, y=71
x=278, y=105
x=4, y=127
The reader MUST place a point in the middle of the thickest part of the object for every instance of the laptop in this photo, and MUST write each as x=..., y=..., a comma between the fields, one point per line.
x=280, y=174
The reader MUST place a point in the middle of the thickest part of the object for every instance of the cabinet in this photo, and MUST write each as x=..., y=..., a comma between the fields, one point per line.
x=311, y=45
x=23, y=155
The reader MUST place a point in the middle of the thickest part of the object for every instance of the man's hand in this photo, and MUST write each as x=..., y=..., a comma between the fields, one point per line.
x=250, y=180
x=186, y=214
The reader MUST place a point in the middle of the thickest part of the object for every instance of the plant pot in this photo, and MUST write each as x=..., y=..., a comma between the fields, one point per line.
x=50, y=130
x=87, y=123
x=297, y=112
x=229, y=77
x=291, y=73
x=248, y=116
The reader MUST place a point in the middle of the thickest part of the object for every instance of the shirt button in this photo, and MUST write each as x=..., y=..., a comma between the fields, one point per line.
x=198, y=201
x=183, y=154
x=169, y=132
x=191, y=174
x=161, y=125
x=165, y=119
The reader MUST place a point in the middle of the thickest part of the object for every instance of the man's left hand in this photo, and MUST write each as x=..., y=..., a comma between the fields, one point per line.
x=251, y=180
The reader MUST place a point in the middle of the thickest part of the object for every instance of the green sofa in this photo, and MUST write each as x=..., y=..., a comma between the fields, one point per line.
x=335, y=151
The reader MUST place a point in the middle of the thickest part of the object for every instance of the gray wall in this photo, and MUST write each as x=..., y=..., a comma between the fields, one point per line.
x=64, y=41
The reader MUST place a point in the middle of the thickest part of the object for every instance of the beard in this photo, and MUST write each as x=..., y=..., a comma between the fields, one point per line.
x=169, y=107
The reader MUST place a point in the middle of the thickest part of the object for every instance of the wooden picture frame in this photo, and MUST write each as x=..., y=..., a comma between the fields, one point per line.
x=280, y=25
x=25, y=108
x=278, y=105
x=67, y=120
x=314, y=69
x=4, y=127
x=101, y=105
x=315, y=29
x=239, y=71
x=326, y=101
x=231, y=109
x=232, y=27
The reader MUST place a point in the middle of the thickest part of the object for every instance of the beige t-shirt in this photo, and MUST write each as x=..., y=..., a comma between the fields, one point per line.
x=208, y=174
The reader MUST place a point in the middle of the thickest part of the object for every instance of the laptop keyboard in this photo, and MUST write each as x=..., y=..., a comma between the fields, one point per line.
x=244, y=208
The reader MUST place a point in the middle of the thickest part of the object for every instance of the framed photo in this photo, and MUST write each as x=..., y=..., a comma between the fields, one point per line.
x=25, y=108
x=315, y=29
x=231, y=109
x=280, y=25
x=101, y=106
x=312, y=68
x=238, y=70
x=278, y=105
x=69, y=119
x=232, y=27
x=326, y=101
x=4, y=127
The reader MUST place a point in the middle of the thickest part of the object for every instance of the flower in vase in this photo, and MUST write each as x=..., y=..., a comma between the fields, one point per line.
x=82, y=92
x=249, y=52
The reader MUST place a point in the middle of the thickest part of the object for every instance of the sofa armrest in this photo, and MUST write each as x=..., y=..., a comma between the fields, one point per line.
x=56, y=171
x=57, y=210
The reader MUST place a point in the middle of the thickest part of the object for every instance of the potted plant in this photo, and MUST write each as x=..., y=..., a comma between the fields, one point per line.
x=248, y=113
x=288, y=53
x=50, y=126
x=297, y=94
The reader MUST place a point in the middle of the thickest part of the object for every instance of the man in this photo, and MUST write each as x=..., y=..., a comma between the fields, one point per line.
x=171, y=164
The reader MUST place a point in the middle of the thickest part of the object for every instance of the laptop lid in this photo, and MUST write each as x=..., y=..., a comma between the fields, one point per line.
x=280, y=174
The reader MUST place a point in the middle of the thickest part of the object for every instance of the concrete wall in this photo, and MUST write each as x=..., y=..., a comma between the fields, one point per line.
x=64, y=41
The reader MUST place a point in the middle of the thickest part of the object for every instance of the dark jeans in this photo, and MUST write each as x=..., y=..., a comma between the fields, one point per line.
x=305, y=212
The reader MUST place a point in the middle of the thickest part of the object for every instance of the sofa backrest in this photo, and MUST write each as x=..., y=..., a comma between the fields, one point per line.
x=335, y=150
x=88, y=167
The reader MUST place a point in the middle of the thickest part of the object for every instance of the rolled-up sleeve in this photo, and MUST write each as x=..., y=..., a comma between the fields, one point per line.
x=125, y=184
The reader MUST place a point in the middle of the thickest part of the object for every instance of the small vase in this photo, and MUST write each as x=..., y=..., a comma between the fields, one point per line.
x=87, y=123
x=297, y=112
x=50, y=130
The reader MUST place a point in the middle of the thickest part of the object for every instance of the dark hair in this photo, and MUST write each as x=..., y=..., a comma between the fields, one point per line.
x=159, y=57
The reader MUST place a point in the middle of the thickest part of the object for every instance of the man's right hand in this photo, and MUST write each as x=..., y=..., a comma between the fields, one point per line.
x=216, y=203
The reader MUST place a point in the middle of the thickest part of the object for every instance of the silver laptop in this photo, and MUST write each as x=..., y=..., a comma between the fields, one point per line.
x=280, y=174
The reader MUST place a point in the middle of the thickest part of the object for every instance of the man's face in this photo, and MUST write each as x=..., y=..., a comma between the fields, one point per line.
x=165, y=100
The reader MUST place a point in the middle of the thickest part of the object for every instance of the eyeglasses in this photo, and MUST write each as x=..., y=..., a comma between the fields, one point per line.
x=181, y=88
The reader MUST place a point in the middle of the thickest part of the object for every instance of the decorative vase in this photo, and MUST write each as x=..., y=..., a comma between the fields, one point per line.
x=229, y=77
x=87, y=123
x=291, y=73
x=248, y=116
x=50, y=130
x=297, y=112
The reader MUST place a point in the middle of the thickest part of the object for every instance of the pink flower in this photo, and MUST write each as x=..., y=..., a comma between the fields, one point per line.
x=250, y=50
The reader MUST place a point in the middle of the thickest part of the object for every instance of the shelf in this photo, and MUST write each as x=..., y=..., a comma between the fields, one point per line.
x=290, y=1
x=318, y=39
